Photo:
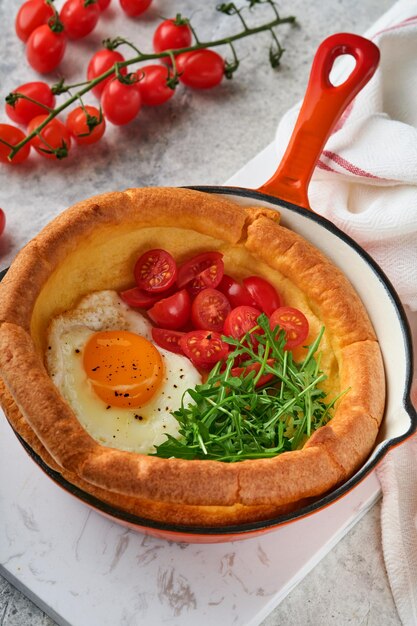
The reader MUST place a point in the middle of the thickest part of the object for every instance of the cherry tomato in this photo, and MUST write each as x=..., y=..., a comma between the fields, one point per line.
x=55, y=135
x=2, y=221
x=241, y=372
x=100, y=62
x=138, y=298
x=202, y=271
x=153, y=84
x=210, y=309
x=236, y=293
x=45, y=49
x=24, y=110
x=155, y=271
x=168, y=339
x=13, y=136
x=32, y=14
x=121, y=102
x=79, y=18
x=103, y=4
x=293, y=322
x=170, y=36
x=265, y=295
x=135, y=7
x=172, y=312
x=200, y=69
x=240, y=321
x=78, y=127
x=204, y=348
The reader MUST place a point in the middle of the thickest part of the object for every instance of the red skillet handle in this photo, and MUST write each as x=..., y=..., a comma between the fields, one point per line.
x=322, y=107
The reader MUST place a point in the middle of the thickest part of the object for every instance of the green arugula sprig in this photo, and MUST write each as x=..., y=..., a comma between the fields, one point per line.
x=230, y=419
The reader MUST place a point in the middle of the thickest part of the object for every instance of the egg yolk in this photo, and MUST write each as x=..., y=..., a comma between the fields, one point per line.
x=125, y=369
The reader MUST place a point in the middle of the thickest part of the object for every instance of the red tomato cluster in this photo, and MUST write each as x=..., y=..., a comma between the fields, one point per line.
x=194, y=304
x=46, y=32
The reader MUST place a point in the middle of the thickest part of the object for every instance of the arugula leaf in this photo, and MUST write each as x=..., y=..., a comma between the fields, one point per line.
x=229, y=419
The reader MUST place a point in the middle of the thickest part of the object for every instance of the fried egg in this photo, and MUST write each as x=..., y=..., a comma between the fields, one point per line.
x=121, y=387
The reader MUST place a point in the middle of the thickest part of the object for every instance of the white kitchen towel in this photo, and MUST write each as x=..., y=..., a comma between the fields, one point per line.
x=366, y=178
x=366, y=183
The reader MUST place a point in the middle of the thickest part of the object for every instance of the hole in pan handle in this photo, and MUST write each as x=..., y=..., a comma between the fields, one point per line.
x=322, y=107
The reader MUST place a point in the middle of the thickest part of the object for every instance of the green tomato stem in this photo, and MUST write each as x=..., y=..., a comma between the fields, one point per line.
x=247, y=32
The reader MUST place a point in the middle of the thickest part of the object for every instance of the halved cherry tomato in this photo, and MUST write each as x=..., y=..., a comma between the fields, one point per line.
x=78, y=127
x=241, y=372
x=153, y=84
x=202, y=271
x=172, y=312
x=32, y=14
x=100, y=62
x=293, y=322
x=168, y=339
x=45, y=49
x=12, y=136
x=133, y=8
x=155, y=271
x=200, y=69
x=236, y=293
x=204, y=348
x=171, y=36
x=138, y=298
x=240, y=321
x=265, y=295
x=210, y=309
x=54, y=135
x=121, y=102
x=24, y=110
x=2, y=221
x=79, y=18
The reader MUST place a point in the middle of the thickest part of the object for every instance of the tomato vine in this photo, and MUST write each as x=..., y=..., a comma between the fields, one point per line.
x=184, y=62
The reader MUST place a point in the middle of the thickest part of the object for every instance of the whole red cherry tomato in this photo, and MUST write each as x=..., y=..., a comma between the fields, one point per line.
x=103, y=4
x=138, y=298
x=120, y=102
x=240, y=321
x=79, y=17
x=200, y=69
x=172, y=312
x=293, y=322
x=210, y=309
x=78, y=126
x=168, y=339
x=133, y=8
x=45, y=49
x=55, y=135
x=204, y=348
x=100, y=62
x=265, y=295
x=32, y=14
x=24, y=110
x=2, y=221
x=202, y=271
x=12, y=136
x=236, y=293
x=171, y=36
x=153, y=84
x=155, y=271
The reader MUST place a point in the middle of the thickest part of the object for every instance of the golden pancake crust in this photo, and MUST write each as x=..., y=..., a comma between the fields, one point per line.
x=93, y=246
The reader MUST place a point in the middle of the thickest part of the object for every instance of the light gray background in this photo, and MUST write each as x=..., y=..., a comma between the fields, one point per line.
x=197, y=138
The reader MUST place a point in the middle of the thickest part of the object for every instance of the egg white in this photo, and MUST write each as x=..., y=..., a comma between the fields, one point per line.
x=137, y=430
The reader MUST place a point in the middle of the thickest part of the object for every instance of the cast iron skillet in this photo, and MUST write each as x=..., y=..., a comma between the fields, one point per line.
x=286, y=191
